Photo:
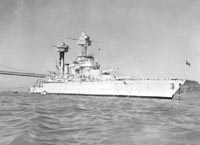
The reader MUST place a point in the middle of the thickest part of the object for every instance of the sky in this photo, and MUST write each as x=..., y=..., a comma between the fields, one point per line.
x=143, y=38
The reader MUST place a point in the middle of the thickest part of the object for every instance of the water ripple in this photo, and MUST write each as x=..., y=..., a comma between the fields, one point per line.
x=61, y=120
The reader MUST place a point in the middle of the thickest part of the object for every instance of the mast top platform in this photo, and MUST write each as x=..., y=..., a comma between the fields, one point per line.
x=62, y=47
x=84, y=40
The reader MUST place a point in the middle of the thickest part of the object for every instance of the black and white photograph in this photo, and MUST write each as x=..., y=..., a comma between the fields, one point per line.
x=99, y=72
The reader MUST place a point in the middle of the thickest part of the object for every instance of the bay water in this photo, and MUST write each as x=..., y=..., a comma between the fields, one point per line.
x=28, y=119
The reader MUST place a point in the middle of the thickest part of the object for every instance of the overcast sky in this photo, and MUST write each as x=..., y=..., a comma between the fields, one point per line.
x=144, y=38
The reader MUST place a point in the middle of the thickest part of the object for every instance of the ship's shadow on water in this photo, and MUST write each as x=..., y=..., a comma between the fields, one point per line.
x=61, y=120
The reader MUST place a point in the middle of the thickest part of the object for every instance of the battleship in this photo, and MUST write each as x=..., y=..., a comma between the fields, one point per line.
x=84, y=77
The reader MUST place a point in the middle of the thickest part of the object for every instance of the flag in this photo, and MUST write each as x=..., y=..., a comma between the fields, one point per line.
x=187, y=63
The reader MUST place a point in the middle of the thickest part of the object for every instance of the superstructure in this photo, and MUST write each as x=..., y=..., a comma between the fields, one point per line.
x=84, y=77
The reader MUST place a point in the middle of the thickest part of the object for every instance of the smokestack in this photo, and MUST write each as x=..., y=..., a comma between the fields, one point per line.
x=66, y=71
